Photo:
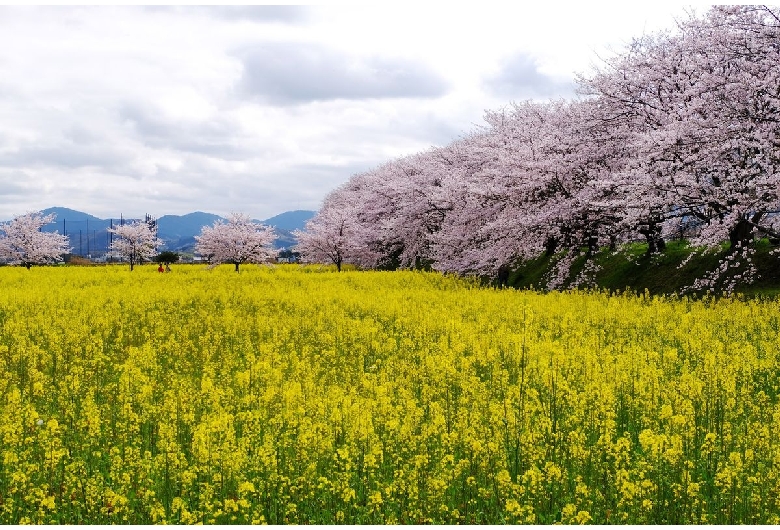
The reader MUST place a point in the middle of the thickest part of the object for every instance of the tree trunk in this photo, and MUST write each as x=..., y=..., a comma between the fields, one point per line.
x=593, y=243
x=655, y=242
x=741, y=234
x=237, y=264
x=503, y=275
x=338, y=265
x=549, y=246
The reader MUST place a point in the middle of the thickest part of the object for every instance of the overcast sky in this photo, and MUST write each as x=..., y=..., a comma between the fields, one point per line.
x=261, y=109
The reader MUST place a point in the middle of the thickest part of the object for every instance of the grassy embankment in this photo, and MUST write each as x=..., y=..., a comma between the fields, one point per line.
x=631, y=269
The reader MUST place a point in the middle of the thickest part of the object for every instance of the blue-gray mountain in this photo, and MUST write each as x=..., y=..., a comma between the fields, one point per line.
x=89, y=235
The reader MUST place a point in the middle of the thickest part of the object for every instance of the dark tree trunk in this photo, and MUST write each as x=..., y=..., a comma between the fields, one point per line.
x=237, y=264
x=549, y=246
x=655, y=242
x=741, y=234
x=503, y=275
x=593, y=244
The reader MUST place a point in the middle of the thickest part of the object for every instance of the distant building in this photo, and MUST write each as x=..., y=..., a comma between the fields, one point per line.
x=287, y=256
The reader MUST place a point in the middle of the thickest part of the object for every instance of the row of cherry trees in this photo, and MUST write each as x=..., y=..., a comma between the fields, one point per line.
x=236, y=240
x=679, y=134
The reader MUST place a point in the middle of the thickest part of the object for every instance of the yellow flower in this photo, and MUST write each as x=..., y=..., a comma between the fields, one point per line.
x=246, y=487
x=375, y=498
x=48, y=502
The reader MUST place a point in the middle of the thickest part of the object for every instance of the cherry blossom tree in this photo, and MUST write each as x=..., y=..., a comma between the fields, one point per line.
x=364, y=243
x=532, y=182
x=22, y=241
x=704, y=105
x=402, y=210
x=543, y=178
x=344, y=230
x=463, y=242
x=326, y=237
x=237, y=240
x=136, y=241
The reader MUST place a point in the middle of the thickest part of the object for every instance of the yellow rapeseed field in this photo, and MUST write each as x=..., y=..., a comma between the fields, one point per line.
x=299, y=395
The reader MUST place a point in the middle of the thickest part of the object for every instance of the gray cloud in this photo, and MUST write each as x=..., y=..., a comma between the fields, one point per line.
x=295, y=186
x=416, y=131
x=69, y=142
x=520, y=78
x=287, y=74
x=68, y=155
x=216, y=137
x=11, y=185
x=255, y=13
x=265, y=13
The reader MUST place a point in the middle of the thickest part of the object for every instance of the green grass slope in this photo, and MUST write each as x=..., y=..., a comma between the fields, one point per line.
x=631, y=269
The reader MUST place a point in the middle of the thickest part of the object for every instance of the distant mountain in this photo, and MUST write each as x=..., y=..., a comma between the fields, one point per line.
x=89, y=234
x=284, y=239
x=179, y=231
x=67, y=214
x=293, y=220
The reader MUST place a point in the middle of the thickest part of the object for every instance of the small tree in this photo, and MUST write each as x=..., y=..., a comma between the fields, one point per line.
x=23, y=243
x=237, y=240
x=135, y=242
x=167, y=257
x=325, y=238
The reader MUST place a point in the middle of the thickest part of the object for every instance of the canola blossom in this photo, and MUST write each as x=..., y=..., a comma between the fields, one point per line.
x=296, y=395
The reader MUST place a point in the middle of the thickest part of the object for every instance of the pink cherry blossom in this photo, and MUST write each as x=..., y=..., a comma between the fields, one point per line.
x=22, y=241
x=237, y=240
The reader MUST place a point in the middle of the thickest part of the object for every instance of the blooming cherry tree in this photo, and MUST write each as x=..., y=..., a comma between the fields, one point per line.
x=136, y=241
x=237, y=240
x=22, y=241
x=400, y=211
x=326, y=237
x=703, y=104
